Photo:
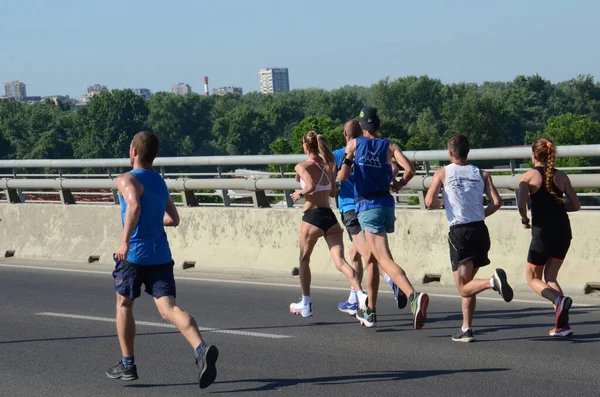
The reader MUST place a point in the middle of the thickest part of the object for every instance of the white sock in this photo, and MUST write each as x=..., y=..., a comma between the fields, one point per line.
x=464, y=329
x=492, y=282
x=353, y=298
x=305, y=300
x=388, y=279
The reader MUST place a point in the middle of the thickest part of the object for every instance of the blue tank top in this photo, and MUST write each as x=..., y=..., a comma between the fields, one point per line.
x=372, y=174
x=148, y=244
x=346, y=195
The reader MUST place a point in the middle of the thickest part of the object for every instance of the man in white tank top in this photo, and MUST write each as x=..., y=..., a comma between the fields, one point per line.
x=463, y=188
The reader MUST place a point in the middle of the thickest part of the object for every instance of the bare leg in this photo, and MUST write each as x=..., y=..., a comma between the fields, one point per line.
x=378, y=244
x=534, y=279
x=125, y=325
x=468, y=289
x=309, y=235
x=184, y=322
x=336, y=249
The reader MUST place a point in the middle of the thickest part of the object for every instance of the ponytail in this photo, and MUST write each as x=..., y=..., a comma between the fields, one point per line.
x=545, y=152
x=325, y=151
x=549, y=171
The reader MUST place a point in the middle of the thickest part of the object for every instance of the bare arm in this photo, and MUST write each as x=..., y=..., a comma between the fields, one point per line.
x=345, y=169
x=492, y=194
x=171, y=217
x=523, y=197
x=431, y=199
x=564, y=183
x=407, y=166
x=131, y=190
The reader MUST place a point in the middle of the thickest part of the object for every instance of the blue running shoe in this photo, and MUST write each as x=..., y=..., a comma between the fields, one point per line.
x=347, y=307
x=401, y=299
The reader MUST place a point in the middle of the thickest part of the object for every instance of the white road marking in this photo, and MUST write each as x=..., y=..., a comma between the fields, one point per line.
x=268, y=284
x=165, y=325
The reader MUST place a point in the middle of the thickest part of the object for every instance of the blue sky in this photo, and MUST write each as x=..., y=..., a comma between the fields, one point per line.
x=61, y=47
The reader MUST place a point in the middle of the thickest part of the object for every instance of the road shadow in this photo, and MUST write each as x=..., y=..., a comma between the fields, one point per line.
x=70, y=338
x=270, y=384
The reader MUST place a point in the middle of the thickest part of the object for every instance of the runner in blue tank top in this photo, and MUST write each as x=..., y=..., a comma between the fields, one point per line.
x=371, y=158
x=346, y=207
x=144, y=257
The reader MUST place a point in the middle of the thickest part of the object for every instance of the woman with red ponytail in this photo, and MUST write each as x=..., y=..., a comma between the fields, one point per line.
x=550, y=228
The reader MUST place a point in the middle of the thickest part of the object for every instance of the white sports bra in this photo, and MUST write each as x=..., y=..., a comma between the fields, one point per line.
x=318, y=187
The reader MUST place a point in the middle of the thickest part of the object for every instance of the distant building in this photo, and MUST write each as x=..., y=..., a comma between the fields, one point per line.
x=181, y=89
x=228, y=90
x=15, y=89
x=91, y=91
x=273, y=80
x=57, y=98
x=143, y=92
x=31, y=99
x=96, y=88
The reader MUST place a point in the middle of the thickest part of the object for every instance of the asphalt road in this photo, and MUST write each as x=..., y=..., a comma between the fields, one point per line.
x=57, y=337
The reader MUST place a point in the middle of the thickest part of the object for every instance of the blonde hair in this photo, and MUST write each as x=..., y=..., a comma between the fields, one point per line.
x=317, y=144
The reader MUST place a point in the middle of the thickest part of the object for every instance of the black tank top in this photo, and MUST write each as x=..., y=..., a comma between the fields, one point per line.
x=546, y=212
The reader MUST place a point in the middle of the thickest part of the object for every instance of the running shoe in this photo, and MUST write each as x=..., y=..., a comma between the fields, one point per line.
x=120, y=372
x=464, y=336
x=562, y=312
x=368, y=318
x=566, y=331
x=299, y=308
x=401, y=299
x=501, y=285
x=347, y=307
x=363, y=301
x=418, y=308
x=207, y=367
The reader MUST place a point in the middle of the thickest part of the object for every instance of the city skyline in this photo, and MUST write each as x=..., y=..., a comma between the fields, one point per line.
x=459, y=41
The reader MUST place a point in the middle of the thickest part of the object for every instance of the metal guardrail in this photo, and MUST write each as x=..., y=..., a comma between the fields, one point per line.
x=260, y=186
x=511, y=153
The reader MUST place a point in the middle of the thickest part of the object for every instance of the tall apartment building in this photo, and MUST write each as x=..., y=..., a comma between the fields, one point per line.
x=181, y=89
x=15, y=89
x=228, y=90
x=273, y=80
x=143, y=92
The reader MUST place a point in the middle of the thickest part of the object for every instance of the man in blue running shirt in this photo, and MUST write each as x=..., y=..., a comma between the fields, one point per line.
x=346, y=207
x=371, y=159
x=144, y=257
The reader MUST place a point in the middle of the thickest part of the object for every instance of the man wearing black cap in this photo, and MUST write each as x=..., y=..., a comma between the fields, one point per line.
x=371, y=158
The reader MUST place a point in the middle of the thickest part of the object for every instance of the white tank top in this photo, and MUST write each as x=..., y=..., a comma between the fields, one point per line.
x=463, y=194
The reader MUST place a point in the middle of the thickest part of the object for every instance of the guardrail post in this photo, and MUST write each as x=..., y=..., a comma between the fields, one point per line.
x=162, y=171
x=259, y=198
x=427, y=168
x=115, y=192
x=189, y=198
x=19, y=192
x=287, y=193
x=12, y=196
x=226, y=199
x=421, y=195
x=66, y=197
x=513, y=165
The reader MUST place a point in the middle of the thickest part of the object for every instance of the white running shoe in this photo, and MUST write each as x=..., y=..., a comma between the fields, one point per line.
x=299, y=308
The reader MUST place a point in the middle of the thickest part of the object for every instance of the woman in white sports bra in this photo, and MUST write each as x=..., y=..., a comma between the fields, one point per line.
x=318, y=220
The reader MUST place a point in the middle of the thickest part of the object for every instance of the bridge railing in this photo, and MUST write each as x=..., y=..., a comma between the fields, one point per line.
x=258, y=188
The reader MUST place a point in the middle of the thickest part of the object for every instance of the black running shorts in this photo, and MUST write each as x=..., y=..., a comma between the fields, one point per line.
x=323, y=218
x=470, y=241
x=351, y=223
x=548, y=244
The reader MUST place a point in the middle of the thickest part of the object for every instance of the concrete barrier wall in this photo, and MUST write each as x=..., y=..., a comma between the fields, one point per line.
x=266, y=239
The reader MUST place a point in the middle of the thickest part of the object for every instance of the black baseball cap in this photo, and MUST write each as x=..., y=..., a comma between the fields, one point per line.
x=369, y=121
